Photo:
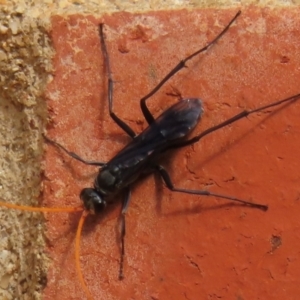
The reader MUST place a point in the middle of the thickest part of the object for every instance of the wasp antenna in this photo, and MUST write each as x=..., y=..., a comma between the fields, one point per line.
x=41, y=209
x=83, y=217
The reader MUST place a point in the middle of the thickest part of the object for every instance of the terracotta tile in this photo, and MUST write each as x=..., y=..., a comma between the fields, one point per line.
x=180, y=246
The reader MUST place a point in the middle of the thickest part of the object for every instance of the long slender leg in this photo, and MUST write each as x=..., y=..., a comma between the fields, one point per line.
x=123, y=230
x=74, y=155
x=147, y=114
x=235, y=118
x=120, y=123
x=167, y=179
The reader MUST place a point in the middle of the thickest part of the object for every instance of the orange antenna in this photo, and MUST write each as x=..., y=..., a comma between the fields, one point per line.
x=78, y=234
x=77, y=254
x=41, y=209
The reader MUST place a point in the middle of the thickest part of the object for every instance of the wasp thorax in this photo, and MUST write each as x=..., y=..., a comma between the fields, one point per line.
x=105, y=181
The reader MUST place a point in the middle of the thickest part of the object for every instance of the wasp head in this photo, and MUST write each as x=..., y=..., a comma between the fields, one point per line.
x=93, y=201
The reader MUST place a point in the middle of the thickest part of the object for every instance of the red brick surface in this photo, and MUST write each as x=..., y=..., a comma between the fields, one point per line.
x=180, y=246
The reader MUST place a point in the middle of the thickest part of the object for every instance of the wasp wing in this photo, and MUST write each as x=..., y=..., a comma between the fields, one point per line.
x=172, y=125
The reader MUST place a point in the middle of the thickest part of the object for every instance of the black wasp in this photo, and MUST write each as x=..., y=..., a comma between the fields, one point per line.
x=141, y=155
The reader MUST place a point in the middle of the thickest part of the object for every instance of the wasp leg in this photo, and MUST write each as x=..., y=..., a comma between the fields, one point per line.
x=74, y=155
x=167, y=179
x=120, y=123
x=235, y=118
x=182, y=64
x=123, y=230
